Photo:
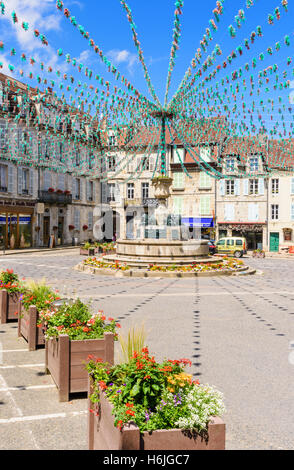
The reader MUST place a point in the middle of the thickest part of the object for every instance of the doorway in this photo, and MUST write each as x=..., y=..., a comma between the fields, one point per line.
x=274, y=241
x=46, y=230
x=60, y=231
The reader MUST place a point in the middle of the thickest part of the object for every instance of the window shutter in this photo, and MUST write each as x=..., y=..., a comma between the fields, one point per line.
x=61, y=182
x=19, y=180
x=261, y=186
x=47, y=180
x=204, y=205
x=31, y=181
x=237, y=187
x=222, y=187
x=90, y=220
x=245, y=187
x=104, y=192
x=77, y=219
x=10, y=179
x=229, y=212
x=253, y=212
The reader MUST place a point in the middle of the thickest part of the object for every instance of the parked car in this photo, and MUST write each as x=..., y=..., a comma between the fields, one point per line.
x=212, y=247
x=234, y=246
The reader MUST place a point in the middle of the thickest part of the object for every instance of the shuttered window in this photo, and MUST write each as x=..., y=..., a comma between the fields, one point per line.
x=178, y=182
x=229, y=212
x=178, y=205
x=205, y=205
x=205, y=180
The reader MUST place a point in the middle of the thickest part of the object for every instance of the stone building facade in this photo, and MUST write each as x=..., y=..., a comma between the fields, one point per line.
x=49, y=175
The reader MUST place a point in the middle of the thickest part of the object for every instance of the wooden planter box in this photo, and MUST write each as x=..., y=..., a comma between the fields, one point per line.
x=89, y=252
x=28, y=329
x=66, y=361
x=103, y=435
x=9, y=305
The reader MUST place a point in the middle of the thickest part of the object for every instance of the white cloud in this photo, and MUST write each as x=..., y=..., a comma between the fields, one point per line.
x=123, y=56
x=40, y=15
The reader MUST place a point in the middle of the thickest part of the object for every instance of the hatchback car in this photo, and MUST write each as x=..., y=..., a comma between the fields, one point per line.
x=235, y=246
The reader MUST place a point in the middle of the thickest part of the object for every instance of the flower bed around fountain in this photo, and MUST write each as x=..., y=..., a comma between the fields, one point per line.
x=225, y=266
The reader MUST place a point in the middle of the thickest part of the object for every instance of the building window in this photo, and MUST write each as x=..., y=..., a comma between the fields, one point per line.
x=230, y=187
x=111, y=162
x=145, y=190
x=91, y=161
x=77, y=188
x=230, y=164
x=292, y=211
x=205, y=205
x=145, y=163
x=25, y=181
x=275, y=211
x=111, y=192
x=205, y=180
x=253, y=164
x=178, y=182
x=178, y=205
x=111, y=140
x=77, y=158
x=3, y=136
x=275, y=186
x=90, y=220
x=292, y=185
x=205, y=154
x=130, y=191
x=253, y=186
x=90, y=190
x=60, y=145
x=3, y=178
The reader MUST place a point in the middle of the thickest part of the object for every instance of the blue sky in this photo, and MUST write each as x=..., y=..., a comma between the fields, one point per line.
x=108, y=26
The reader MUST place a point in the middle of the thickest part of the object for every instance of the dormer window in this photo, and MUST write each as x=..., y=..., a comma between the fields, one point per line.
x=111, y=140
x=253, y=164
x=205, y=154
x=230, y=164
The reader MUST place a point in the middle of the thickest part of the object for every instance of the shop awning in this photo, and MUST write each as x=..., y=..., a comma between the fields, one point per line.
x=201, y=222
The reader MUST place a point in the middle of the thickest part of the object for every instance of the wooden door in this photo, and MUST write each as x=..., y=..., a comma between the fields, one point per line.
x=46, y=230
x=274, y=241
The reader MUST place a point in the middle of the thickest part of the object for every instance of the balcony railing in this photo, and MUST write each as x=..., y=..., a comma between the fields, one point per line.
x=54, y=197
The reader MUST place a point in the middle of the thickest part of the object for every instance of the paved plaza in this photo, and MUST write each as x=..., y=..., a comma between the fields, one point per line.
x=236, y=330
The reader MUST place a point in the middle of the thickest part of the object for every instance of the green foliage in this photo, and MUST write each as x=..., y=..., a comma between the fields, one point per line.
x=135, y=341
x=38, y=293
x=76, y=321
x=154, y=395
x=9, y=280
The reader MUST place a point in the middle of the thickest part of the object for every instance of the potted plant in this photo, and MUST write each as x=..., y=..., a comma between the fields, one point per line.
x=145, y=405
x=36, y=297
x=87, y=249
x=73, y=334
x=51, y=190
x=85, y=227
x=10, y=292
x=258, y=253
x=71, y=227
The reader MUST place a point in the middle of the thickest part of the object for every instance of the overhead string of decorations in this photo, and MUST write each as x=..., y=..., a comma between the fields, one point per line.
x=93, y=126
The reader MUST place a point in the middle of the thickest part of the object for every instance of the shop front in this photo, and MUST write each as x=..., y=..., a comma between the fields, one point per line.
x=16, y=222
x=253, y=233
x=200, y=227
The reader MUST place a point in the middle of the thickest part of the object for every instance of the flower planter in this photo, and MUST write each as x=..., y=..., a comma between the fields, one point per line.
x=88, y=252
x=9, y=304
x=103, y=435
x=28, y=329
x=65, y=360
